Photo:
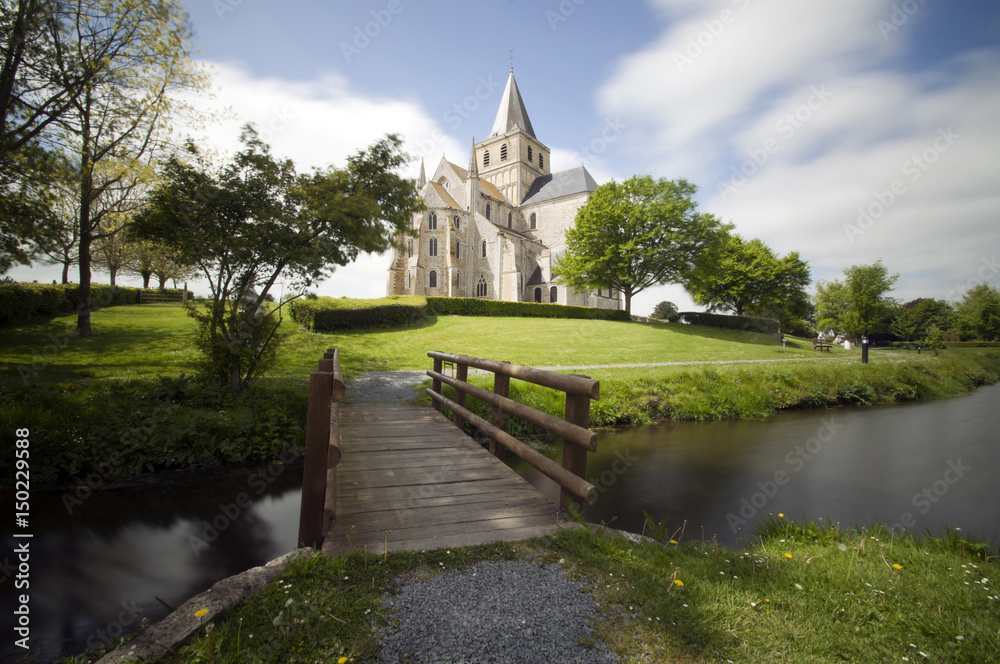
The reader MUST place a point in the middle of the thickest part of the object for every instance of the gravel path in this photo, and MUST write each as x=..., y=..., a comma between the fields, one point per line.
x=509, y=612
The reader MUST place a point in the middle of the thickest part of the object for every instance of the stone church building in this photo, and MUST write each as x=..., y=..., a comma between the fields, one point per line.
x=493, y=231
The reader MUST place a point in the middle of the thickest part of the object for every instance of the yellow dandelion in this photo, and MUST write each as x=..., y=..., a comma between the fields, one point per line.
x=200, y=612
x=673, y=541
x=788, y=555
x=342, y=660
x=781, y=515
x=767, y=600
x=897, y=566
x=678, y=582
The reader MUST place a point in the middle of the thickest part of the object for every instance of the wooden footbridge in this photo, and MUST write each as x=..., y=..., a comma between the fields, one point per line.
x=387, y=477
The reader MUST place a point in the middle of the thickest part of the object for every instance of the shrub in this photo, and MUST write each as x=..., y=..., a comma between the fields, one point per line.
x=21, y=302
x=744, y=323
x=469, y=306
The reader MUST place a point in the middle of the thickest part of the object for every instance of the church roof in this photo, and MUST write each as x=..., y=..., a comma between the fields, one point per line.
x=487, y=188
x=556, y=185
x=512, y=113
x=437, y=196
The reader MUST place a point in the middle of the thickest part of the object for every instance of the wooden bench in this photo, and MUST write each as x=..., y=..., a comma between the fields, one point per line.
x=821, y=345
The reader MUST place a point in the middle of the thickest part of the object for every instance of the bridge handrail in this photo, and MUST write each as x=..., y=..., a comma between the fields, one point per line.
x=577, y=438
x=323, y=452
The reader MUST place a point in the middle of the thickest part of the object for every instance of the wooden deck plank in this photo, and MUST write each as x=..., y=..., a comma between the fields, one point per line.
x=409, y=479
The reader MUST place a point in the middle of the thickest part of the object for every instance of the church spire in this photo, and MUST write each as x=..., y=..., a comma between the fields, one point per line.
x=473, y=167
x=422, y=178
x=512, y=113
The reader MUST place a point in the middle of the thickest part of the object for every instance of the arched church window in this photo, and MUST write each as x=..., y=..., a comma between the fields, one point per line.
x=458, y=222
x=458, y=249
x=538, y=295
x=541, y=160
x=481, y=287
x=503, y=152
x=486, y=157
x=458, y=278
x=553, y=294
x=529, y=154
x=409, y=248
x=534, y=221
x=432, y=247
x=487, y=211
x=484, y=248
x=432, y=279
x=432, y=221
x=510, y=220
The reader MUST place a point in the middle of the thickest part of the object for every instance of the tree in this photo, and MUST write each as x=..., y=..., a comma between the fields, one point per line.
x=746, y=277
x=979, y=313
x=665, y=311
x=138, y=56
x=254, y=221
x=868, y=288
x=832, y=305
x=913, y=320
x=636, y=234
x=113, y=251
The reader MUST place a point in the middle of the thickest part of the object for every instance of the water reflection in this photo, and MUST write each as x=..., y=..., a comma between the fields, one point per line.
x=931, y=464
x=124, y=555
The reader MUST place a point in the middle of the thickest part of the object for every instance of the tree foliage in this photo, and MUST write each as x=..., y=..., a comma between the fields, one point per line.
x=748, y=278
x=859, y=306
x=979, y=313
x=665, y=311
x=254, y=223
x=636, y=234
x=913, y=320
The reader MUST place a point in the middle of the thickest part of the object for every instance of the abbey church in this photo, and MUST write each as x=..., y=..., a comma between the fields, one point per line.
x=493, y=231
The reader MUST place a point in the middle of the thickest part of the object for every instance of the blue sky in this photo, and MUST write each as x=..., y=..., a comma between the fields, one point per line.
x=848, y=130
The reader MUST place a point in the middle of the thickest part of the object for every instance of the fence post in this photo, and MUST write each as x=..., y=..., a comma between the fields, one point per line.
x=317, y=449
x=184, y=298
x=501, y=387
x=574, y=457
x=436, y=384
x=462, y=374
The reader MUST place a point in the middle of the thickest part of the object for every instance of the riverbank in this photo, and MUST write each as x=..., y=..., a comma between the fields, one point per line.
x=799, y=592
x=632, y=396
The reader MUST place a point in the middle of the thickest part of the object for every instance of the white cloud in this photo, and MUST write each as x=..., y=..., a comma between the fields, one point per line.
x=810, y=101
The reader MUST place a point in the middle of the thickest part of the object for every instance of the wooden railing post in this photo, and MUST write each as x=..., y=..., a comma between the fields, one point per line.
x=436, y=385
x=314, y=466
x=574, y=457
x=501, y=387
x=461, y=374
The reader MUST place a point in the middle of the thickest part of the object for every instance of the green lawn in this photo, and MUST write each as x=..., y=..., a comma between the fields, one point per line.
x=144, y=341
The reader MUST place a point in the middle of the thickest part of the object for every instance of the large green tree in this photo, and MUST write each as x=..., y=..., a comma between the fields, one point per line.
x=979, y=313
x=254, y=223
x=747, y=277
x=913, y=320
x=859, y=306
x=832, y=302
x=635, y=234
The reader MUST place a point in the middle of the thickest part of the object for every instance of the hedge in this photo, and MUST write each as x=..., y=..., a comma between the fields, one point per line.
x=469, y=306
x=947, y=344
x=22, y=302
x=744, y=323
x=326, y=314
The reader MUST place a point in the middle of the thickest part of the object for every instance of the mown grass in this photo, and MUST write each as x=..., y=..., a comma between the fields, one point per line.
x=797, y=593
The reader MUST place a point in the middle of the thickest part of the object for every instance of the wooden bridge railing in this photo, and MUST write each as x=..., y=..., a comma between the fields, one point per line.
x=319, y=472
x=577, y=438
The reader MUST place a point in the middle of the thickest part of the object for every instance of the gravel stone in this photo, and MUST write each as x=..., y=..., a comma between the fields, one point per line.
x=512, y=612
x=385, y=386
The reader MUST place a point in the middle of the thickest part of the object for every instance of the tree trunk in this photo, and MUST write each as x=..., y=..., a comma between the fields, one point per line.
x=163, y=282
x=114, y=275
x=146, y=274
x=234, y=377
x=83, y=328
x=65, y=275
x=628, y=301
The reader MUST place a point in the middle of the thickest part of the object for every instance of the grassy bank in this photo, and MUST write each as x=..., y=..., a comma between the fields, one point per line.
x=799, y=593
x=124, y=401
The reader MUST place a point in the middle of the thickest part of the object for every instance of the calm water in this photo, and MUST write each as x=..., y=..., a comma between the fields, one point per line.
x=932, y=464
x=103, y=568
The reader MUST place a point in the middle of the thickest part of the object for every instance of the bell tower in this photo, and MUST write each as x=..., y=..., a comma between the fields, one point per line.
x=511, y=158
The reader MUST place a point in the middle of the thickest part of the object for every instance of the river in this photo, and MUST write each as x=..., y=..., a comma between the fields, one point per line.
x=101, y=563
